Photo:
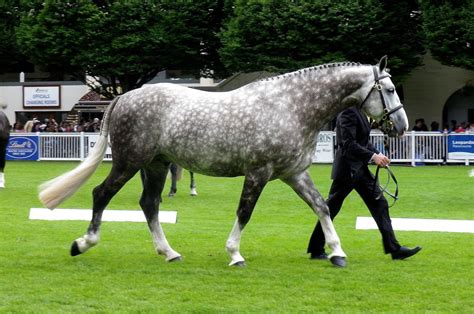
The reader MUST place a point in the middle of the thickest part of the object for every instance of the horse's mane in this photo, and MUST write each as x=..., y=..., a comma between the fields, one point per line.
x=310, y=69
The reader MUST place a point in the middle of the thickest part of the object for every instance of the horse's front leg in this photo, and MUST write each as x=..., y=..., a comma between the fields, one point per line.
x=253, y=187
x=304, y=187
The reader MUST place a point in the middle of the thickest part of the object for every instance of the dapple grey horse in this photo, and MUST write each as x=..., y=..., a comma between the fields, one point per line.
x=265, y=130
x=4, y=134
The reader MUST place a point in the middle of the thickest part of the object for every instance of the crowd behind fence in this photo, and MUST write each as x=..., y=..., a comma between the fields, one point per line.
x=415, y=148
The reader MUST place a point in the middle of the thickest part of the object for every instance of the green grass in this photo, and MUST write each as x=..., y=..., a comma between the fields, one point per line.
x=123, y=273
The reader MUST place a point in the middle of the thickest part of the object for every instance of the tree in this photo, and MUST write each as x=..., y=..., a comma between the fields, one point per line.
x=449, y=28
x=11, y=59
x=123, y=44
x=281, y=36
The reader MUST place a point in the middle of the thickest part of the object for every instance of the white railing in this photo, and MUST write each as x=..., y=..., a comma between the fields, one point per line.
x=415, y=147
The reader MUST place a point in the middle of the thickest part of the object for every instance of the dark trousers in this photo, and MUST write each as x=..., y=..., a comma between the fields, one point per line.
x=377, y=207
x=3, y=151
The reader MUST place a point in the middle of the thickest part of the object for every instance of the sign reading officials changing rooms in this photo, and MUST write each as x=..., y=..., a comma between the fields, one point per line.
x=23, y=147
x=41, y=97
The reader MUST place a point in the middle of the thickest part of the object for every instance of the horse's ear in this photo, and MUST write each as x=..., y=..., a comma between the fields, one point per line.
x=350, y=101
x=382, y=63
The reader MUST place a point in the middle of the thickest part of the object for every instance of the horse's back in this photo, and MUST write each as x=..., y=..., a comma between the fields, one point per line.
x=214, y=133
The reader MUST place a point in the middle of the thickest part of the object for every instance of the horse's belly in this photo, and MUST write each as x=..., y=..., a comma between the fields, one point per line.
x=209, y=162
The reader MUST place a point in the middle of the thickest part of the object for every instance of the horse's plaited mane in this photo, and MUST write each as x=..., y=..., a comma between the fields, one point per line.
x=310, y=69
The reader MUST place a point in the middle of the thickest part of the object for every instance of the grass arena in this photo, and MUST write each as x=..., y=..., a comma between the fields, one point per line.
x=124, y=274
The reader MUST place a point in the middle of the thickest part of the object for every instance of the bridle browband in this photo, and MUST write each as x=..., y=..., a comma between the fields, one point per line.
x=386, y=126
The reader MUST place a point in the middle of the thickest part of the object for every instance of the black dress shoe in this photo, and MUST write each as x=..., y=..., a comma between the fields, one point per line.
x=318, y=256
x=404, y=252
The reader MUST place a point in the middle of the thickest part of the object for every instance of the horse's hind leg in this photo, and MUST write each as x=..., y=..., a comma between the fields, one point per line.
x=174, y=175
x=304, y=187
x=193, y=184
x=253, y=187
x=153, y=179
x=102, y=194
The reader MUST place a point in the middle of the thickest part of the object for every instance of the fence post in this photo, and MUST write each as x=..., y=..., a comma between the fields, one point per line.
x=413, y=149
x=81, y=143
x=40, y=151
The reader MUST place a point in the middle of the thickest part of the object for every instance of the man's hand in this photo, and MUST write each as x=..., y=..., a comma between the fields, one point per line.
x=380, y=160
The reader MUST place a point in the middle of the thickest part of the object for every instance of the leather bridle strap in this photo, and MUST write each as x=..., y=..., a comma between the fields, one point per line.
x=378, y=87
x=384, y=189
x=390, y=175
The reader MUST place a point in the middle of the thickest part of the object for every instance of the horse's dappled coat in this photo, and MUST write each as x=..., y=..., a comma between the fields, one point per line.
x=226, y=134
x=263, y=131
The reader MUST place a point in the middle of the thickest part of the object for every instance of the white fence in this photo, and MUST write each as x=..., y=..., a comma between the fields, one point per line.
x=415, y=148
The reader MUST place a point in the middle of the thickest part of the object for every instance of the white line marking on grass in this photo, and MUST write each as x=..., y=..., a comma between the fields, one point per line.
x=108, y=215
x=472, y=173
x=411, y=224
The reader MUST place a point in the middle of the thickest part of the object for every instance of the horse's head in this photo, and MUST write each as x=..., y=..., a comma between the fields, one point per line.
x=379, y=100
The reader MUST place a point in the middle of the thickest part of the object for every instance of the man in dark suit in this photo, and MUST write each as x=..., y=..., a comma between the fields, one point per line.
x=350, y=171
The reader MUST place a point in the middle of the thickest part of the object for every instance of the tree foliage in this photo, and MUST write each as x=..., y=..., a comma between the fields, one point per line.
x=126, y=43
x=123, y=44
x=280, y=36
x=449, y=28
x=11, y=59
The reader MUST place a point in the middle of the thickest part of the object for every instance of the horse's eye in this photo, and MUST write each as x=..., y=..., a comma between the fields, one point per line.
x=391, y=90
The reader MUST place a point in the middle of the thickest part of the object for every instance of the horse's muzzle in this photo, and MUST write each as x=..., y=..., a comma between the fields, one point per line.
x=394, y=132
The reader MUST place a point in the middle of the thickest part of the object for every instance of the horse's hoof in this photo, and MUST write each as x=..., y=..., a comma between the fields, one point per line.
x=176, y=259
x=338, y=261
x=75, y=249
x=239, y=264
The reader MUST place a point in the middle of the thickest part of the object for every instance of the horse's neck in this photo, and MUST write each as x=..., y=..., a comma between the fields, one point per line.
x=324, y=91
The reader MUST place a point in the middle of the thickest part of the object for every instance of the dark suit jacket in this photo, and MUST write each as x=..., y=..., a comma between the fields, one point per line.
x=354, y=150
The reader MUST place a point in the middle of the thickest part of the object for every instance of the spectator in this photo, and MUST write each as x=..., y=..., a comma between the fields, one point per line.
x=454, y=124
x=94, y=126
x=420, y=125
x=30, y=124
x=460, y=128
x=434, y=126
x=471, y=128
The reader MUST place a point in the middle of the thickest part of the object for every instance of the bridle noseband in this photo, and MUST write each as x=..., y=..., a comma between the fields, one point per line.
x=385, y=124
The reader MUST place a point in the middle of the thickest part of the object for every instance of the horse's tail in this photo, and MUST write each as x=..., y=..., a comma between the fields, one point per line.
x=54, y=192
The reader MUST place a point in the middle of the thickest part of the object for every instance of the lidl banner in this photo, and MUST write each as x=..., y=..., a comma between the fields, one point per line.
x=461, y=146
x=23, y=147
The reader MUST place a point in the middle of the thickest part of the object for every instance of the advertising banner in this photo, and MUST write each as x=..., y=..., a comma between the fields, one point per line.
x=23, y=147
x=93, y=139
x=324, y=148
x=461, y=146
